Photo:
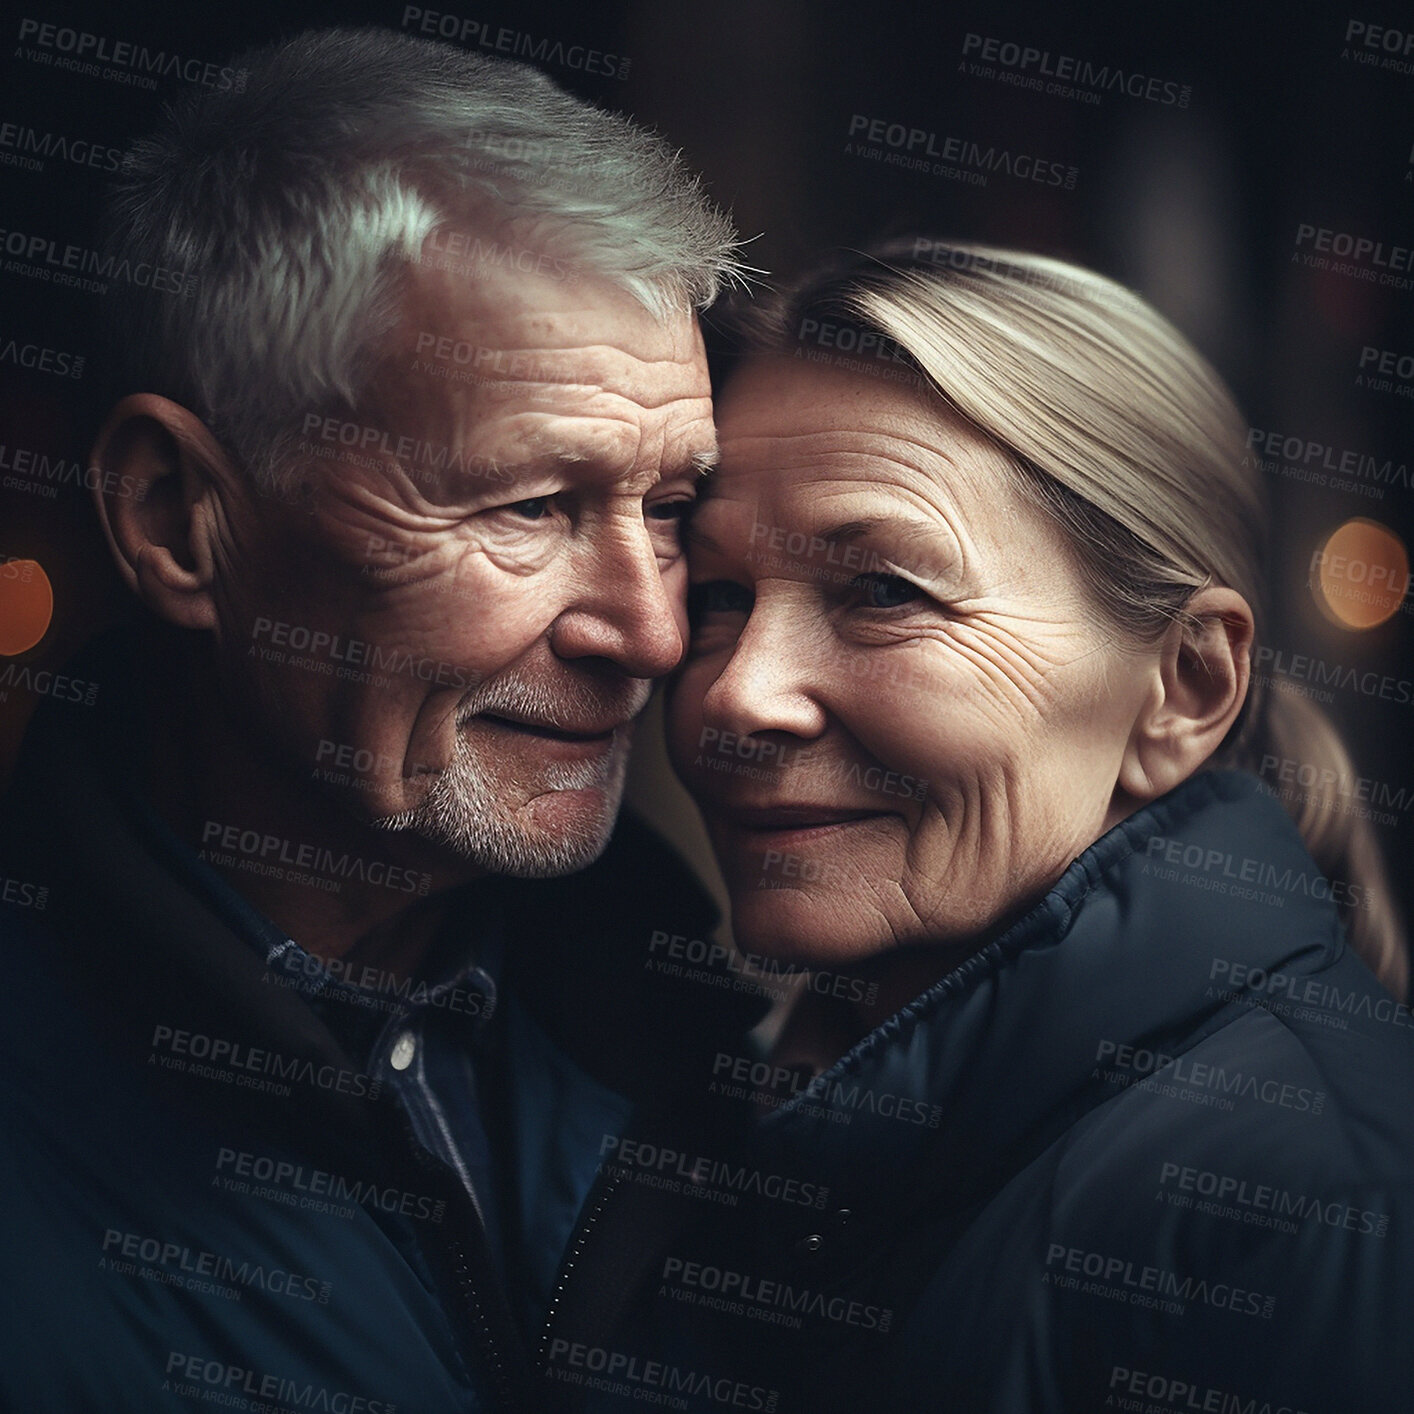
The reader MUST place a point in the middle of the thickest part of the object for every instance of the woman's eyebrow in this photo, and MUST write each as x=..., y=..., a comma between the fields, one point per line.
x=942, y=558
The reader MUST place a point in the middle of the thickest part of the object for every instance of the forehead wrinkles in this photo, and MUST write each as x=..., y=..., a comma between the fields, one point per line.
x=673, y=372
x=801, y=476
x=536, y=416
x=870, y=455
x=962, y=490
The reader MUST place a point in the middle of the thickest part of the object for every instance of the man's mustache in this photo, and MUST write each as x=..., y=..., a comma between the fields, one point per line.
x=568, y=705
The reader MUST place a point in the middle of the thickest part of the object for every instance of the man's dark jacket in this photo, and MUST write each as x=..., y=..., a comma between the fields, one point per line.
x=347, y=1270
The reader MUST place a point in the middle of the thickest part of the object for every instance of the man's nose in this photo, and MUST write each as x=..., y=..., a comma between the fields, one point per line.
x=622, y=609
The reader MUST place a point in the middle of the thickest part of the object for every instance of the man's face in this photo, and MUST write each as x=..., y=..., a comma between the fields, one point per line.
x=453, y=619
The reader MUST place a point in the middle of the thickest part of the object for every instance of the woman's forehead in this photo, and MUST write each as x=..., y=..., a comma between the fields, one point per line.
x=789, y=430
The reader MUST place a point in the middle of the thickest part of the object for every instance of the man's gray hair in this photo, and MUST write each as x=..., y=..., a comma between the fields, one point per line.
x=292, y=208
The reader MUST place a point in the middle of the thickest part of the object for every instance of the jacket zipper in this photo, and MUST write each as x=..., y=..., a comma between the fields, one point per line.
x=606, y=1189
x=456, y=1248
x=500, y=1380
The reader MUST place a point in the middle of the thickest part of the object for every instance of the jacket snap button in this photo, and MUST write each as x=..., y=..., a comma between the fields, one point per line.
x=404, y=1048
x=813, y=1243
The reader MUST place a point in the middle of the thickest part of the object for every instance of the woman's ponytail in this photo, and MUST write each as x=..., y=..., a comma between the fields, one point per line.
x=1298, y=753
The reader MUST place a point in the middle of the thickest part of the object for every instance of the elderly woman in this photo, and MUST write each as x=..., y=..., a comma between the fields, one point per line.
x=1099, y=1104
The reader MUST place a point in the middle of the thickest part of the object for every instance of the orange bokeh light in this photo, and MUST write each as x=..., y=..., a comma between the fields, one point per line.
x=26, y=605
x=1361, y=574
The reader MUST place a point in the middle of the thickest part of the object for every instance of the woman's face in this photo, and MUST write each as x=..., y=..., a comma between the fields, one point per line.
x=896, y=714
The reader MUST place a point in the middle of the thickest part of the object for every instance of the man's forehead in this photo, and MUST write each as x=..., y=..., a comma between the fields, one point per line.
x=563, y=326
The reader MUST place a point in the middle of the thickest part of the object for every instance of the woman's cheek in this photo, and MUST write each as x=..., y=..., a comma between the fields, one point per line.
x=683, y=705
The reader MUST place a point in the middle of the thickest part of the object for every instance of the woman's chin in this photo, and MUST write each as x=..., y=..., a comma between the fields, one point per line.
x=804, y=929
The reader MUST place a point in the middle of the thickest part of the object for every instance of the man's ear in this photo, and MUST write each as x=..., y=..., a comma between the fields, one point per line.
x=158, y=473
x=1200, y=683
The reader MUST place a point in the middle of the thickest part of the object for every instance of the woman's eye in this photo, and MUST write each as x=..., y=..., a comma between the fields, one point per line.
x=718, y=596
x=884, y=591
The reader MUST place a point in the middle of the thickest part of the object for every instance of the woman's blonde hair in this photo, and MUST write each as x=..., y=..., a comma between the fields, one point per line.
x=1129, y=439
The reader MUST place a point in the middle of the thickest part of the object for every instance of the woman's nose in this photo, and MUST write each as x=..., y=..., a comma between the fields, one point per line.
x=771, y=681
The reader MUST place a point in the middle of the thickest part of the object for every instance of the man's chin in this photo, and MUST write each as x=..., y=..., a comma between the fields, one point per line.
x=564, y=831
x=556, y=832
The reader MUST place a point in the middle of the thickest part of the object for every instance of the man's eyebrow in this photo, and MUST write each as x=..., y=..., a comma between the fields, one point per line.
x=704, y=461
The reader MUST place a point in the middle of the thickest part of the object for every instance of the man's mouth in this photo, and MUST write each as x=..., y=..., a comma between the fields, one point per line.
x=585, y=731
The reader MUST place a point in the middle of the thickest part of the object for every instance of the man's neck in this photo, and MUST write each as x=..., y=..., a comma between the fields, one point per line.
x=338, y=886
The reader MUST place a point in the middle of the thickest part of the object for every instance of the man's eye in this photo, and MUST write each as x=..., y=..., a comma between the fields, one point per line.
x=532, y=509
x=676, y=511
x=884, y=591
x=718, y=596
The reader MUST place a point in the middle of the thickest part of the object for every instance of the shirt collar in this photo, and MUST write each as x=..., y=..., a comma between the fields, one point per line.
x=358, y=1002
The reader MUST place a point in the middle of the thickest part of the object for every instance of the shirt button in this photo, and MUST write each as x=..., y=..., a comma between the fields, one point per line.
x=404, y=1049
x=807, y=1246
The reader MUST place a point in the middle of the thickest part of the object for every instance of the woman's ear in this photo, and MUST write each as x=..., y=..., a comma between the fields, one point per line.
x=1201, y=680
x=158, y=470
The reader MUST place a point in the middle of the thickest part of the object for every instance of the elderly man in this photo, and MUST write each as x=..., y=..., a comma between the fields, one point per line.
x=309, y=1093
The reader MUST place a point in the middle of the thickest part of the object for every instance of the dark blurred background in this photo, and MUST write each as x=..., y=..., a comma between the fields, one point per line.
x=1203, y=149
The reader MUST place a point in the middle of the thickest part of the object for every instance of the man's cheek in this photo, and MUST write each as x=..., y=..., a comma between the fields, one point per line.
x=675, y=581
x=517, y=551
